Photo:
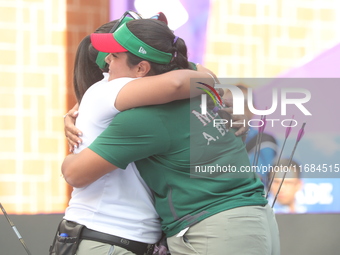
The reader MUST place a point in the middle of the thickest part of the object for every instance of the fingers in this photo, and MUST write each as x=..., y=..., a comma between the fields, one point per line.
x=71, y=145
x=73, y=113
x=201, y=68
x=242, y=131
x=226, y=116
x=239, y=122
x=220, y=91
x=73, y=140
x=71, y=132
x=228, y=102
x=230, y=111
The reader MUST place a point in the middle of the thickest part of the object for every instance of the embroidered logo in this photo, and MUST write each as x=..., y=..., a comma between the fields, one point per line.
x=142, y=50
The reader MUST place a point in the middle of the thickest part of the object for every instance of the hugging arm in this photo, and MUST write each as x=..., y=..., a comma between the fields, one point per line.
x=163, y=88
x=82, y=169
x=152, y=90
x=117, y=146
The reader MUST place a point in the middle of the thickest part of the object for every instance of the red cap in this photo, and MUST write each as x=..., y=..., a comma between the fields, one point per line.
x=106, y=43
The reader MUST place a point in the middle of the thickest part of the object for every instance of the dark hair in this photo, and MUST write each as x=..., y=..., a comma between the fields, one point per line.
x=158, y=35
x=86, y=72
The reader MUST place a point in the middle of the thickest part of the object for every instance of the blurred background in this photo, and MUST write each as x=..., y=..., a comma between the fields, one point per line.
x=236, y=38
x=246, y=40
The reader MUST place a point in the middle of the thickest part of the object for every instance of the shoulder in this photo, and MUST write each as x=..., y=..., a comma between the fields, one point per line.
x=122, y=80
x=108, y=89
x=118, y=83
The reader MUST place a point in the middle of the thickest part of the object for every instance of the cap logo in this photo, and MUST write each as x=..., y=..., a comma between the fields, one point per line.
x=142, y=50
x=123, y=40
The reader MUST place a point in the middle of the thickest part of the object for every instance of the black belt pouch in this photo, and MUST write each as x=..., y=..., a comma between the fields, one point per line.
x=67, y=238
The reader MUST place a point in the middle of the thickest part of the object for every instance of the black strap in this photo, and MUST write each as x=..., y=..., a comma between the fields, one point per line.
x=136, y=247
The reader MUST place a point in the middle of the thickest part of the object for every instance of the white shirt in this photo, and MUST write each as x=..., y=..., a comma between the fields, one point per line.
x=119, y=203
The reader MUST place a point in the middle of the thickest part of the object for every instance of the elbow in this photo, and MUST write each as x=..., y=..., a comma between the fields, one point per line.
x=178, y=87
x=71, y=177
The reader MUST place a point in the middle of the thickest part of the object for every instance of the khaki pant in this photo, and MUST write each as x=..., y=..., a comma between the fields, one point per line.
x=248, y=230
x=87, y=247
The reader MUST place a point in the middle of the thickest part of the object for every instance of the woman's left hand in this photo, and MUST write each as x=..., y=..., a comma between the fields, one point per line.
x=71, y=132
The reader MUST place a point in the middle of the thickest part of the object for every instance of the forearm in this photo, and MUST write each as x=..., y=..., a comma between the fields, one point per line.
x=84, y=168
x=161, y=89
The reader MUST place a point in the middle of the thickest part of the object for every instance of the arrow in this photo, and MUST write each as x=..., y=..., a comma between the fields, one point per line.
x=288, y=130
x=299, y=137
x=15, y=229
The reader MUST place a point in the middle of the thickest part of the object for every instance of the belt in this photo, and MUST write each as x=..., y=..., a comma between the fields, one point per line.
x=136, y=247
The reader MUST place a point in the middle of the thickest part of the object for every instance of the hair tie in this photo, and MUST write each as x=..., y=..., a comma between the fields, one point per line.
x=175, y=40
x=174, y=55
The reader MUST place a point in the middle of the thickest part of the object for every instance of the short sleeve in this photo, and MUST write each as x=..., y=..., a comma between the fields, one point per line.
x=133, y=135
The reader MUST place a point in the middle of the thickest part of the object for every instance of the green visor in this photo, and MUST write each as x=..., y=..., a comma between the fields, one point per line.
x=123, y=40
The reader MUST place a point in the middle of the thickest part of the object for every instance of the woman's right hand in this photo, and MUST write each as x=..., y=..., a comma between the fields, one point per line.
x=71, y=132
x=203, y=69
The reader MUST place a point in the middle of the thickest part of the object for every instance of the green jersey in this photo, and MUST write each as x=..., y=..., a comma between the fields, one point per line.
x=191, y=165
